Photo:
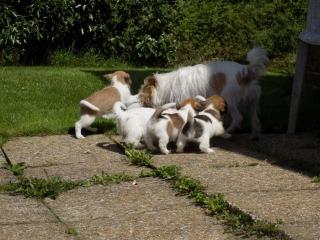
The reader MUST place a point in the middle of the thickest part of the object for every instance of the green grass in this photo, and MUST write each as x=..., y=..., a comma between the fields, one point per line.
x=45, y=99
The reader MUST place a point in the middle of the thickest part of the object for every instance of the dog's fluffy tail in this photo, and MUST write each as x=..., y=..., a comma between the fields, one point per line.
x=119, y=109
x=258, y=61
x=89, y=105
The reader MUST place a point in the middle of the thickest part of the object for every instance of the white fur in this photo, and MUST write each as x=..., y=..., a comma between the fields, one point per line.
x=210, y=129
x=188, y=82
x=86, y=119
x=132, y=123
x=157, y=129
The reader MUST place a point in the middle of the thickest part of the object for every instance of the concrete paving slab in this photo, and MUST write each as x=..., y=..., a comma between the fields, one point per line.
x=148, y=210
x=6, y=176
x=43, y=231
x=300, y=151
x=221, y=159
x=303, y=230
x=239, y=178
x=180, y=224
x=82, y=171
x=70, y=158
x=58, y=149
x=289, y=206
x=21, y=210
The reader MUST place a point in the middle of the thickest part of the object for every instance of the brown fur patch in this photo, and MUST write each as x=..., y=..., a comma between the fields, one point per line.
x=147, y=90
x=122, y=77
x=169, y=128
x=176, y=120
x=218, y=81
x=213, y=113
x=146, y=95
x=195, y=104
x=244, y=78
x=103, y=99
x=218, y=102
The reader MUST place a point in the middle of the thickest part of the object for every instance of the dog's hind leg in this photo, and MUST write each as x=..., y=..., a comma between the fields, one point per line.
x=84, y=122
x=255, y=122
x=236, y=118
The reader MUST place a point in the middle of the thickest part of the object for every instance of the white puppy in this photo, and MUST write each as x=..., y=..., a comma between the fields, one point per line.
x=132, y=123
x=166, y=124
x=235, y=82
x=203, y=126
x=100, y=103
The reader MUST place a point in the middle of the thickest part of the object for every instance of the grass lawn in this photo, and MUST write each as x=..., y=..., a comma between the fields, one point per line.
x=45, y=100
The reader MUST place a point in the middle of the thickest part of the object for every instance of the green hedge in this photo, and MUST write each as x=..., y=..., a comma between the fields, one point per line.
x=158, y=32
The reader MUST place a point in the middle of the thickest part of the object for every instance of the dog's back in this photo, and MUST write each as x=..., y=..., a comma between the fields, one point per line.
x=103, y=99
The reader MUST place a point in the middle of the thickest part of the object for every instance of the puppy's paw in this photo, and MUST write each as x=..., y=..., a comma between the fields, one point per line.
x=165, y=151
x=80, y=137
x=208, y=150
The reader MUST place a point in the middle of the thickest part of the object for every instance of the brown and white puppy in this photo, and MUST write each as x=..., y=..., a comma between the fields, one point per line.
x=166, y=124
x=203, y=126
x=235, y=82
x=100, y=103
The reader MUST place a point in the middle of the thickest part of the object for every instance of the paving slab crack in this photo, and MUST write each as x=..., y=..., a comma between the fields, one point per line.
x=6, y=156
x=68, y=229
x=273, y=190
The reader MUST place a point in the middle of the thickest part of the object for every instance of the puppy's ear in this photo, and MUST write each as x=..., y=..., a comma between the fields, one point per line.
x=198, y=106
x=219, y=104
x=203, y=104
x=108, y=77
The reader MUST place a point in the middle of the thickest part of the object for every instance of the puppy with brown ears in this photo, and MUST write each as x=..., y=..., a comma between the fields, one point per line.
x=166, y=124
x=100, y=103
x=203, y=126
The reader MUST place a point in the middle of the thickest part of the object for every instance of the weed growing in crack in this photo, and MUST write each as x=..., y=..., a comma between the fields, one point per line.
x=105, y=179
x=52, y=187
x=40, y=188
x=316, y=179
x=71, y=232
x=139, y=158
x=17, y=169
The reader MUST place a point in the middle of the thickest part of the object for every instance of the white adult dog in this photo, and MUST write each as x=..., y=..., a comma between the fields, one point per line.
x=236, y=83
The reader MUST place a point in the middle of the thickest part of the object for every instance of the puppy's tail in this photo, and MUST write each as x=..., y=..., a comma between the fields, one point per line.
x=157, y=114
x=119, y=109
x=187, y=128
x=89, y=105
x=258, y=61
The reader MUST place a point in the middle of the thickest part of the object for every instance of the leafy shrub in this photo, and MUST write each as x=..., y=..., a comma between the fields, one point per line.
x=159, y=32
x=228, y=29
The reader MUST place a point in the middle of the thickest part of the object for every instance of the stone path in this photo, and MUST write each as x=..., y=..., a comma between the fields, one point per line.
x=150, y=209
